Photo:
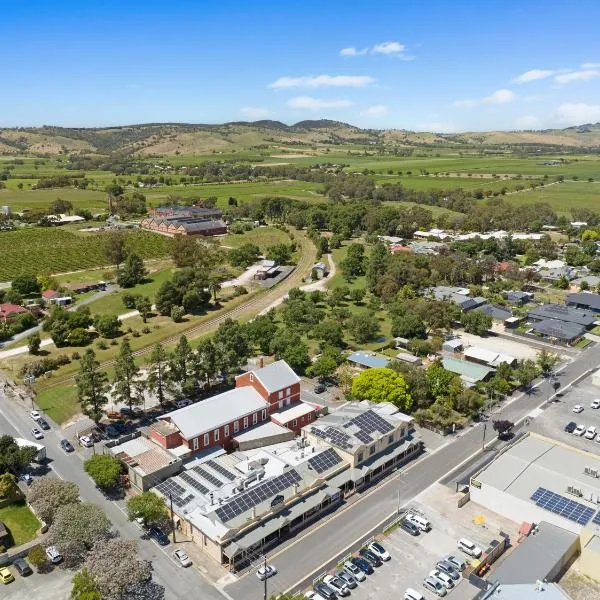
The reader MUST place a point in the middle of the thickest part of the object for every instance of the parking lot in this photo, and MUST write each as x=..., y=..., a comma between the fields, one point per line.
x=55, y=585
x=519, y=350
x=551, y=422
x=413, y=557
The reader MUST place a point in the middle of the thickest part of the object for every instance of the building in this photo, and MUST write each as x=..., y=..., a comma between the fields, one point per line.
x=564, y=313
x=539, y=479
x=439, y=234
x=559, y=331
x=488, y=357
x=535, y=590
x=498, y=313
x=469, y=372
x=54, y=297
x=182, y=212
x=320, y=270
x=460, y=296
x=368, y=360
x=267, y=434
x=9, y=312
x=593, y=281
x=411, y=359
x=172, y=226
x=82, y=288
x=453, y=345
x=267, y=270
x=518, y=298
x=294, y=417
x=585, y=301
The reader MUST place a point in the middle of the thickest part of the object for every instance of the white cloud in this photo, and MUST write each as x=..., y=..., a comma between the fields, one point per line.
x=310, y=103
x=255, y=112
x=377, y=110
x=528, y=122
x=590, y=65
x=388, y=48
x=391, y=48
x=322, y=81
x=577, y=113
x=533, y=75
x=352, y=51
x=498, y=97
x=584, y=75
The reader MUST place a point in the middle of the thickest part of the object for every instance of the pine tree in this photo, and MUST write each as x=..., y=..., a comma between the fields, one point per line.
x=157, y=372
x=128, y=389
x=92, y=385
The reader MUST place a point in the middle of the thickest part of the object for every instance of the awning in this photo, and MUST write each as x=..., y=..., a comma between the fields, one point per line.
x=231, y=550
x=390, y=454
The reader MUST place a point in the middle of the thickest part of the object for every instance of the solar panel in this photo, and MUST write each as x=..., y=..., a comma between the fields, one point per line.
x=370, y=422
x=596, y=519
x=220, y=470
x=194, y=483
x=559, y=505
x=170, y=487
x=324, y=461
x=333, y=435
x=364, y=437
x=258, y=494
x=208, y=476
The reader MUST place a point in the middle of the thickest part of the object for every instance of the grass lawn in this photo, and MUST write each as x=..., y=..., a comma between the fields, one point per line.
x=21, y=523
x=263, y=237
x=338, y=255
x=20, y=199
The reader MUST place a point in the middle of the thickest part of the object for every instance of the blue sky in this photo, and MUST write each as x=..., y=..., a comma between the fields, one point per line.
x=428, y=65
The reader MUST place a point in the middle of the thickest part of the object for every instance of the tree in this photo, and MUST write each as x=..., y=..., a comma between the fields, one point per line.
x=214, y=287
x=133, y=271
x=104, y=469
x=13, y=457
x=329, y=332
x=79, y=337
x=144, y=307
x=525, y=372
x=26, y=285
x=37, y=557
x=168, y=296
x=115, y=577
x=354, y=263
x=157, y=372
x=34, y=341
x=108, y=326
x=323, y=367
x=76, y=528
x=408, y=326
x=84, y=586
x=280, y=253
x=546, y=361
x=180, y=365
x=231, y=346
x=443, y=384
x=147, y=506
x=382, y=385
x=61, y=207
x=357, y=295
x=185, y=251
x=8, y=485
x=48, y=494
x=476, y=322
x=206, y=361
x=364, y=327
x=503, y=427
x=128, y=388
x=244, y=256
x=92, y=386
x=177, y=314
x=260, y=331
x=114, y=248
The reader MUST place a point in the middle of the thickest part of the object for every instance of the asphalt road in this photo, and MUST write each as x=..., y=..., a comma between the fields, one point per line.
x=178, y=582
x=314, y=550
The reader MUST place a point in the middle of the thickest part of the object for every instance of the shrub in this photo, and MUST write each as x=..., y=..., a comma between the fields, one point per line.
x=37, y=557
x=177, y=314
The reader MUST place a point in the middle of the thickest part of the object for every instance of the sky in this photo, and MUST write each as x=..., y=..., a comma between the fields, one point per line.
x=428, y=65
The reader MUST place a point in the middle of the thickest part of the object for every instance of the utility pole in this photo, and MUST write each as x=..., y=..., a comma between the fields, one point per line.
x=483, y=441
x=266, y=578
x=172, y=516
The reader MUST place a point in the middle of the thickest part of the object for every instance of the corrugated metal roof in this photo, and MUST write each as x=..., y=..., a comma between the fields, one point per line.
x=560, y=330
x=563, y=313
x=276, y=376
x=470, y=370
x=367, y=359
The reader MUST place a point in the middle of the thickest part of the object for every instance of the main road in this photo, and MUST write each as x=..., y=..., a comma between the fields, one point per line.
x=315, y=550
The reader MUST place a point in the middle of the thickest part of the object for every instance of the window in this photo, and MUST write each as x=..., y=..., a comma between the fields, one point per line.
x=288, y=391
x=288, y=401
x=359, y=458
x=216, y=435
x=264, y=414
x=226, y=432
x=372, y=449
x=254, y=418
x=245, y=422
x=251, y=377
x=390, y=438
x=281, y=394
x=280, y=404
x=195, y=443
x=206, y=439
x=294, y=422
x=236, y=427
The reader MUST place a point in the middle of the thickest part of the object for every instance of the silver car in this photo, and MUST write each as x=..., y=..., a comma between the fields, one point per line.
x=448, y=568
x=183, y=559
x=353, y=570
x=347, y=578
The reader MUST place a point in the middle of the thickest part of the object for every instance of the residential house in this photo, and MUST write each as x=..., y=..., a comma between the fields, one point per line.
x=560, y=331
x=470, y=373
x=561, y=312
x=585, y=301
x=367, y=360
x=453, y=345
x=489, y=358
x=518, y=298
x=498, y=313
x=9, y=312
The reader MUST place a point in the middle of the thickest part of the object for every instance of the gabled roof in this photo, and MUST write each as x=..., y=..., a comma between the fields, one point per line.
x=276, y=376
x=561, y=330
x=469, y=370
x=368, y=359
x=563, y=313
x=496, y=312
x=590, y=300
x=8, y=309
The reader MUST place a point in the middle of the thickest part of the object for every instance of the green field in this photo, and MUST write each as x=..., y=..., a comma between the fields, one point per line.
x=263, y=237
x=21, y=523
x=20, y=199
x=40, y=250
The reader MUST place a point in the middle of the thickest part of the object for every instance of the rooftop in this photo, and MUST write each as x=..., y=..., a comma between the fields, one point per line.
x=493, y=359
x=560, y=330
x=470, y=371
x=207, y=415
x=496, y=312
x=276, y=376
x=368, y=359
x=291, y=413
x=144, y=455
x=265, y=430
x=585, y=299
x=525, y=591
x=563, y=313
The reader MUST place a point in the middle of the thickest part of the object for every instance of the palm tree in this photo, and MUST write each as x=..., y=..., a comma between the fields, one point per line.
x=214, y=286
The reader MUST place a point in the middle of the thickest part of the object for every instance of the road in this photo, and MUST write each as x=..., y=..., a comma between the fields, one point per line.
x=178, y=583
x=311, y=553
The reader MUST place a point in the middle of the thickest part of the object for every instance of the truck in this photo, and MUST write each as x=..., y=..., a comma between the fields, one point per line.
x=41, y=449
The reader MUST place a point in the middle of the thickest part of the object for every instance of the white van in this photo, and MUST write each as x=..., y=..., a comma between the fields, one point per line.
x=183, y=403
x=53, y=554
x=419, y=521
x=411, y=594
x=468, y=547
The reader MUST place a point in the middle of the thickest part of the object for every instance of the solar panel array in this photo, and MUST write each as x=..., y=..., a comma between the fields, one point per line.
x=370, y=422
x=596, y=519
x=324, y=461
x=258, y=494
x=208, y=476
x=171, y=489
x=220, y=469
x=194, y=483
x=333, y=435
x=364, y=437
x=179, y=502
x=569, y=509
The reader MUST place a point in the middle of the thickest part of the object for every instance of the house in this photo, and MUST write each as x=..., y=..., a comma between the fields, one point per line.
x=518, y=298
x=368, y=360
x=561, y=312
x=54, y=297
x=488, y=357
x=397, y=248
x=542, y=263
x=498, y=313
x=459, y=296
x=453, y=345
x=561, y=331
x=427, y=247
x=401, y=342
x=411, y=359
x=440, y=234
x=469, y=372
x=9, y=312
x=267, y=269
x=553, y=275
x=593, y=281
x=51, y=294
x=585, y=301
x=320, y=270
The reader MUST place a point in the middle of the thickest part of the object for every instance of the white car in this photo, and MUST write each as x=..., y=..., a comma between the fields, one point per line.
x=590, y=434
x=412, y=594
x=357, y=573
x=266, y=572
x=578, y=408
x=377, y=549
x=595, y=403
x=86, y=440
x=468, y=547
x=35, y=415
x=579, y=430
x=337, y=585
x=442, y=577
x=312, y=595
x=183, y=559
x=36, y=433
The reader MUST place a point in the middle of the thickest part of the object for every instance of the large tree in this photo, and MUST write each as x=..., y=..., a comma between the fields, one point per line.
x=84, y=586
x=382, y=385
x=133, y=271
x=13, y=457
x=260, y=331
x=546, y=361
x=206, y=364
x=185, y=251
x=48, y=494
x=364, y=327
x=157, y=373
x=476, y=322
x=92, y=386
x=181, y=367
x=231, y=346
x=128, y=388
x=104, y=469
x=147, y=506
x=114, y=247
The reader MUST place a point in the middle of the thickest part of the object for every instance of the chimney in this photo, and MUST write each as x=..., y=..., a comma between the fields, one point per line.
x=262, y=362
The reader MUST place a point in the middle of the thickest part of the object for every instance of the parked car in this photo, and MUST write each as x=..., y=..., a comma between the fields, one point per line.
x=35, y=415
x=409, y=527
x=456, y=561
x=86, y=440
x=468, y=547
x=348, y=578
x=445, y=579
x=570, y=427
x=6, y=576
x=578, y=409
x=26, y=478
x=371, y=558
x=37, y=434
x=319, y=388
x=377, y=549
x=420, y=521
x=355, y=570
x=325, y=591
x=312, y=595
x=435, y=586
x=66, y=445
x=54, y=556
x=362, y=564
x=157, y=534
x=579, y=430
x=337, y=585
x=590, y=434
x=21, y=565
x=181, y=557
x=595, y=403
x=43, y=424
x=266, y=572
x=449, y=569
x=412, y=594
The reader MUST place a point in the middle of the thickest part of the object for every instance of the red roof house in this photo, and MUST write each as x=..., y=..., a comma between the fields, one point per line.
x=51, y=294
x=10, y=311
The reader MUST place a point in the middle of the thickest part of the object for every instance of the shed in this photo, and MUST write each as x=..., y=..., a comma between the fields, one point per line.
x=368, y=360
x=468, y=371
x=408, y=358
x=401, y=342
x=453, y=345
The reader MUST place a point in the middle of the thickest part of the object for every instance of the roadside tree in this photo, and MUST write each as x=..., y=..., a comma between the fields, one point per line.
x=92, y=386
x=382, y=385
x=104, y=469
x=157, y=373
x=128, y=388
x=147, y=506
x=48, y=494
